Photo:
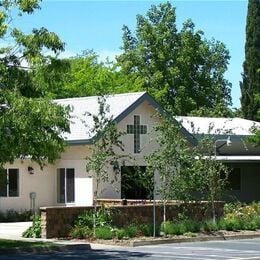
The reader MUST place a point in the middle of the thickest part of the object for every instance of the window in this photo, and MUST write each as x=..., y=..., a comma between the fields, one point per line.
x=65, y=181
x=233, y=179
x=9, y=183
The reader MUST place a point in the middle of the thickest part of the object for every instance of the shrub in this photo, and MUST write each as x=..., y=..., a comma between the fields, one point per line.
x=80, y=232
x=210, y=226
x=192, y=226
x=104, y=232
x=232, y=224
x=35, y=230
x=147, y=230
x=120, y=234
x=131, y=231
x=171, y=228
x=103, y=218
x=85, y=220
x=15, y=216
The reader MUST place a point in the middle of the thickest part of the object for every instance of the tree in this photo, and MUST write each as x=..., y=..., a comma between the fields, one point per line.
x=30, y=125
x=250, y=86
x=187, y=173
x=180, y=68
x=84, y=75
x=212, y=174
x=103, y=155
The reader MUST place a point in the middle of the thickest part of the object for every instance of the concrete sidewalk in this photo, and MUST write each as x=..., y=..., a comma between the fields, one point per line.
x=13, y=230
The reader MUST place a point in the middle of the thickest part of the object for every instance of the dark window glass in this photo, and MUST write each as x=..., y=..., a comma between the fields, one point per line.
x=234, y=179
x=61, y=185
x=70, y=185
x=3, y=183
x=66, y=184
x=13, y=183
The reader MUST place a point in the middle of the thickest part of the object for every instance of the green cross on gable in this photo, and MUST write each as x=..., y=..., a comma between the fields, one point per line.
x=137, y=130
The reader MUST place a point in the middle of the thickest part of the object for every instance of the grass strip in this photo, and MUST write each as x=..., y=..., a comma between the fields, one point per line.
x=9, y=244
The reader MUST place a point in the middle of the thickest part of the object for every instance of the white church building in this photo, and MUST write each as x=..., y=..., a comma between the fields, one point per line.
x=67, y=182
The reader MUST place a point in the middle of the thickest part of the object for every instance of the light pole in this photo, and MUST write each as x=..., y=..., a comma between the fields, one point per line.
x=226, y=142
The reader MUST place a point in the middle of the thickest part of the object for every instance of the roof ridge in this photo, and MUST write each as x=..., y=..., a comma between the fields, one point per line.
x=94, y=97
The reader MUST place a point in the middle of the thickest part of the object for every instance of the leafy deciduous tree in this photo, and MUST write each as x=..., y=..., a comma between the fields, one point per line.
x=103, y=152
x=28, y=126
x=187, y=173
x=180, y=68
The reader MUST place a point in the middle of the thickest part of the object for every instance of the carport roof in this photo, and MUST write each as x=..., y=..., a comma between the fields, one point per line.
x=218, y=126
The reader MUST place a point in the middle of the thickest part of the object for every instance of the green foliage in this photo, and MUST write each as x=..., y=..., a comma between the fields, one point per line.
x=242, y=217
x=173, y=161
x=210, y=226
x=181, y=68
x=104, y=232
x=250, y=86
x=84, y=75
x=147, y=230
x=15, y=216
x=23, y=109
x=131, y=231
x=173, y=228
x=35, y=230
x=103, y=218
x=107, y=139
x=81, y=232
x=120, y=233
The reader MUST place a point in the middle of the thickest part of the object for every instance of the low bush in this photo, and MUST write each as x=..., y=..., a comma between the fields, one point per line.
x=103, y=218
x=80, y=232
x=210, y=226
x=104, y=232
x=120, y=233
x=16, y=216
x=35, y=230
x=147, y=230
x=131, y=231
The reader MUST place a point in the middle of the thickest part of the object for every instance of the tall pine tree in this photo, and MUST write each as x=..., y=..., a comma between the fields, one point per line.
x=250, y=86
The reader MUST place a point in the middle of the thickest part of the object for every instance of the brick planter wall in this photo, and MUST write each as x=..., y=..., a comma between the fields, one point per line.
x=57, y=221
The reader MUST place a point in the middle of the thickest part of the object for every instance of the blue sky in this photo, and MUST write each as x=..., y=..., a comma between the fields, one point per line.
x=98, y=25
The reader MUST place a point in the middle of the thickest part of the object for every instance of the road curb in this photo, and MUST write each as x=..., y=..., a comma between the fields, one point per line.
x=45, y=249
x=191, y=239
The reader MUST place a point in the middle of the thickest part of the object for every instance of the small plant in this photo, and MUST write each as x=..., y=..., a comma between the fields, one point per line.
x=210, y=226
x=15, y=216
x=35, y=230
x=147, y=230
x=80, y=232
x=103, y=218
x=131, y=231
x=120, y=233
x=232, y=224
x=104, y=232
x=85, y=220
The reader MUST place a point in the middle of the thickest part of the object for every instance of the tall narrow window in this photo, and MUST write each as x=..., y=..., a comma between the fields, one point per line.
x=66, y=185
x=9, y=183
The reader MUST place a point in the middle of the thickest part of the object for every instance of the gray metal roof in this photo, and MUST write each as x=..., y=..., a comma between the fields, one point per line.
x=81, y=123
x=218, y=126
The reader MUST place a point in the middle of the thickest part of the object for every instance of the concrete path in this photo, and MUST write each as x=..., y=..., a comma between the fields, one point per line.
x=13, y=230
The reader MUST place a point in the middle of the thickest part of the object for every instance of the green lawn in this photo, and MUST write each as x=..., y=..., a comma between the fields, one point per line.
x=9, y=244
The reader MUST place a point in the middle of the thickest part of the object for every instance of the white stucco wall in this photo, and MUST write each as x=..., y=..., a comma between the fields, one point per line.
x=44, y=182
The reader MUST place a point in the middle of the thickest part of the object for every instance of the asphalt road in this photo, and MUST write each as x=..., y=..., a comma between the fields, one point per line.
x=236, y=249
